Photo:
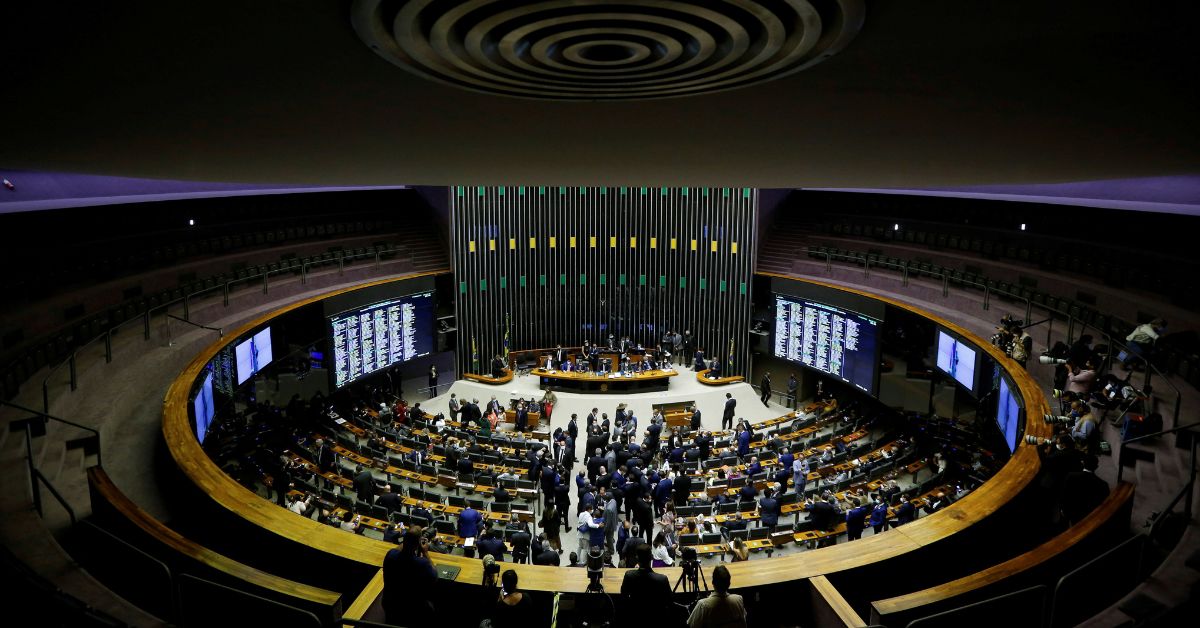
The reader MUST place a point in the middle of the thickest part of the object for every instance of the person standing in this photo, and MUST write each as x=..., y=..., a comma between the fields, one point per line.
x=727, y=415
x=433, y=380
x=765, y=387
x=408, y=583
x=645, y=591
x=792, y=385
x=677, y=349
x=689, y=344
x=455, y=407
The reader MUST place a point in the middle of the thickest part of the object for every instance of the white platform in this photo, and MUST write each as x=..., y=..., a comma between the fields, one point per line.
x=683, y=388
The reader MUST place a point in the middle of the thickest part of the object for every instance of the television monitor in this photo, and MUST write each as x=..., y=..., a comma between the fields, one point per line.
x=956, y=359
x=253, y=354
x=203, y=406
x=1008, y=414
x=829, y=339
x=372, y=338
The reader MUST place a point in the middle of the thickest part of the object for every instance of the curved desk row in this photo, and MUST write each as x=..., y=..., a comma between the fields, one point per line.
x=935, y=537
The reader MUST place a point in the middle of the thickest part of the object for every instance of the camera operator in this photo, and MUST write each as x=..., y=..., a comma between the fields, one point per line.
x=721, y=608
x=1080, y=379
x=645, y=591
x=1059, y=458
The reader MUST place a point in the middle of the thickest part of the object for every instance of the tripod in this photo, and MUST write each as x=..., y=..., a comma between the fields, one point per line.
x=690, y=578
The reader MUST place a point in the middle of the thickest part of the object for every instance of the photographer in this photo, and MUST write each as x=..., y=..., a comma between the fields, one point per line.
x=1080, y=379
x=1141, y=342
x=408, y=583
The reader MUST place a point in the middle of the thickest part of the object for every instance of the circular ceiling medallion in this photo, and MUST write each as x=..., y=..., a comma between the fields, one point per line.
x=593, y=50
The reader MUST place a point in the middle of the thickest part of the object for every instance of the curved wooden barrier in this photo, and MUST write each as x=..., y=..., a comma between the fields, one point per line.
x=488, y=379
x=1013, y=478
x=182, y=553
x=899, y=610
x=717, y=381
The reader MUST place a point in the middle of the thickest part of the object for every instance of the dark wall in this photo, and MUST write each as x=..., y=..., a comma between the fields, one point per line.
x=643, y=260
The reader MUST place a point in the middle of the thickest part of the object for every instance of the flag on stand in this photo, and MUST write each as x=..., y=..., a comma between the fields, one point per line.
x=507, y=329
x=474, y=355
x=729, y=362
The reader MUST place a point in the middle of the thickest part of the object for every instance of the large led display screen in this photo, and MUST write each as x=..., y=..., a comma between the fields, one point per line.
x=956, y=359
x=1008, y=414
x=374, y=337
x=831, y=340
x=253, y=354
x=203, y=406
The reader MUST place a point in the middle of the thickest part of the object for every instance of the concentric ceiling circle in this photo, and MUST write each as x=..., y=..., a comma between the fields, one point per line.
x=594, y=50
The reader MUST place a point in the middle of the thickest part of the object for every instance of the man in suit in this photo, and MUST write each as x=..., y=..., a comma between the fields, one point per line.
x=522, y=418
x=727, y=414
x=823, y=514
x=705, y=444
x=560, y=355
x=904, y=512
x=469, y=522
x=1082, y=491
x=768, y=509
x=695, y=424
x=743, y=442
x=364, y=485
x=389, y=499
x=498, y=366
x=645, y=592
x=611, y=522
x=856, y=520
x=765, y=387
x=324, y=455
x=471, y=412
x=792, y=385
x=698, y=363
x=681, y=488
x=494, y=406
x=455, y=407
x=573, y=427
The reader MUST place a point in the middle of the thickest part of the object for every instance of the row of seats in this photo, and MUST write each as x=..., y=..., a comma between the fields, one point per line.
x=1114, y=267
x=57, y=347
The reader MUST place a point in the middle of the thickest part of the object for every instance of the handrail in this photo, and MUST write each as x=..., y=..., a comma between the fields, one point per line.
x=45, y=415
x=35, y=476
x=1174, y=429
x=186, y=302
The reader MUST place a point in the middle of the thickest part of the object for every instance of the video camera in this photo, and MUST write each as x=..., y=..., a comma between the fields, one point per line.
x=1048, y=359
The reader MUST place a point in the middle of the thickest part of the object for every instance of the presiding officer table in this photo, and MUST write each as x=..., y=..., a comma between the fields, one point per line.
x=645, y=381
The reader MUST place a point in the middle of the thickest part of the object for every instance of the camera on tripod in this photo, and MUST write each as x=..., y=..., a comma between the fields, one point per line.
x=690, y=576
x=595, y=570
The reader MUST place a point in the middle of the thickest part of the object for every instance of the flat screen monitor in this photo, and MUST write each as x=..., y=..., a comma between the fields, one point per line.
x=1008, y=414
x=374, y=337
x=829, y=339
x=253, y=354
x=203, y=406
x=956, y=359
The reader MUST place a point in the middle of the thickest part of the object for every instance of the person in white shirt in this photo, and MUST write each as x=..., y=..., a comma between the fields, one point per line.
x=660, y=553
x=1142, y=340
x=300, y=506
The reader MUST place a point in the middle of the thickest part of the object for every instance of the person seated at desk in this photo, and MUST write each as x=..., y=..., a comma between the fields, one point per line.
x=625, y=365
x=649, y=363
x=498, y=366
x=698, y=363
x=714, y=370
x=737, y=550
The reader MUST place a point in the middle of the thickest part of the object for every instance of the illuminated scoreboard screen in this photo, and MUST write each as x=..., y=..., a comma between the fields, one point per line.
x=374, y=337
x=831, y=340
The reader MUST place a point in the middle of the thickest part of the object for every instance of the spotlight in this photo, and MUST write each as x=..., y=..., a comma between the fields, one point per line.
x=896, y=227
x=1022, y=226
x=191, y=222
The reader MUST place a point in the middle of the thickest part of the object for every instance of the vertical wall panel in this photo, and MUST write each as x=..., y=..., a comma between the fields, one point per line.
x=595, y=288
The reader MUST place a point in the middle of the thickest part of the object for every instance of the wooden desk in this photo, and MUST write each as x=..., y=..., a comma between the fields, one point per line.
x=488, y=379
x=602, y=383
x=717, y=381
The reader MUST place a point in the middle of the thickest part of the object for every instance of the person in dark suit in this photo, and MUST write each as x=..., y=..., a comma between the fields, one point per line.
x=522, y=418
x=324, y=455
x=408, y=583
x=698, y=363
x=364, y=485
x=768, y=509
x=1082, y=491
x=573, y=427
x=823, y=514
x=560, y=355
x=645, y=592
x=681, y=488
x=765, y=387
x=856, y=520
x=727, y=414
x=390, y=500
x=490, y=544
x=498, y=366
x=743, y=443
x=695, y=423
x=904, y=512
